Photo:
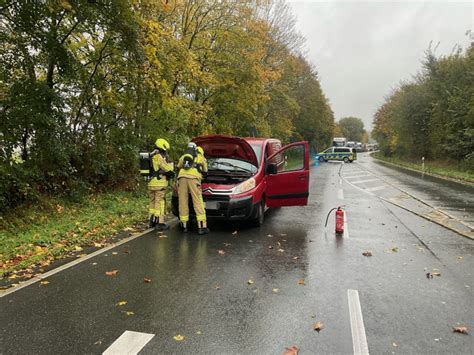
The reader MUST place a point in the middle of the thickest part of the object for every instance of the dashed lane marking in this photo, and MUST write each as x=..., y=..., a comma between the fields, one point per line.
x=359, y=339
x=340, y=194
x=376, y=188
x=364, y=181
x=129, y=343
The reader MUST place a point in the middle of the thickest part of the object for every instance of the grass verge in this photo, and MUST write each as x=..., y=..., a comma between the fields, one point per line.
x=438, y=168
x=32, y=238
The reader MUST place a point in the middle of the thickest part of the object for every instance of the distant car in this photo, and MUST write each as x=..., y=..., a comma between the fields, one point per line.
x=345, y=154
x=246, y=176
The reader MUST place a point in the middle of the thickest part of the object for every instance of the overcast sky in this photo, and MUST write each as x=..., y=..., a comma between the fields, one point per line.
x=362, y=49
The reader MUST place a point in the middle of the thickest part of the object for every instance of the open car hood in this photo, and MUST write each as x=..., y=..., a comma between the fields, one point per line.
x=220, y=146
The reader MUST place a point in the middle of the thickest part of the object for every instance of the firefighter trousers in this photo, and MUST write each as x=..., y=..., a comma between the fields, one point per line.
x=157, y=202
x=186, y=187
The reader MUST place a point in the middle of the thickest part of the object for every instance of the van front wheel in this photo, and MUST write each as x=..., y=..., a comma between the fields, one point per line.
x=258, y=221
x=346, y=159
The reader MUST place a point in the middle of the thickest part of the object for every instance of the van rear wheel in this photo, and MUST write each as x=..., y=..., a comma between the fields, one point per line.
x=346, y=159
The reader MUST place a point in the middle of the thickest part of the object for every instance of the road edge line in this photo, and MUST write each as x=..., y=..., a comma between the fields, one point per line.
x=39, y=277
x=359, y=338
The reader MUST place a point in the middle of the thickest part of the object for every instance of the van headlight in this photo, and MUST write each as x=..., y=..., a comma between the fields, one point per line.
x=245, y=186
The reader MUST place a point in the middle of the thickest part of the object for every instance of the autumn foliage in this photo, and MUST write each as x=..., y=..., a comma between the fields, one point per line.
x=85, y=84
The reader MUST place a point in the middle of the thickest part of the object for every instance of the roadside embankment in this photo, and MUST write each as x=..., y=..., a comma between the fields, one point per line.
x=439, y=169
x=32, y=238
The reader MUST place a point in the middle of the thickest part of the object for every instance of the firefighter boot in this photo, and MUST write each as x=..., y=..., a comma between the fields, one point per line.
x=203, y=228
x=152, y=222
x=184, y=227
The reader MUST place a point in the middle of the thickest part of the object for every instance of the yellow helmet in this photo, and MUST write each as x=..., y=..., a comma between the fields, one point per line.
x=162, y=144
x=199, y=150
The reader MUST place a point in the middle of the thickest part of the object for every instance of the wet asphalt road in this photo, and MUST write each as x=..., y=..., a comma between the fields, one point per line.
x=205, y=297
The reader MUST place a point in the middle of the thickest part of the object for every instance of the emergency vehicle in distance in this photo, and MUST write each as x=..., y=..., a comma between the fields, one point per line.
x=246, y=176
x=339, y=142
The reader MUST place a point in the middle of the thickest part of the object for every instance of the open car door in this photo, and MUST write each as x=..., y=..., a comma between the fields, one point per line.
x=288, y=176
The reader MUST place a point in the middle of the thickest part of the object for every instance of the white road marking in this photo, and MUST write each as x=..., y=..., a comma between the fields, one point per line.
x=346, y=228
x=129, y=343
x=359, y=339
x=364, y=181
x=340, y=181
x=376, y=188
x=40, y=277
x=349, y=176
x=340, y=194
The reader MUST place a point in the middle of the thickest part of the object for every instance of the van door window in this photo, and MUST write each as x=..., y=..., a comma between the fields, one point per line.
x=292, y=159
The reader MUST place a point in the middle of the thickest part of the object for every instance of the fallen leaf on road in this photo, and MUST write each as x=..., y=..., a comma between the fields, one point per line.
x=462, y=330
x=234, y=232
x=178, y=337
x=436, y=274
x=270, y=235
x=301, y=282
x=279, y=244
x=296, y=257
x=44, y=282
x=428, y=275
x=114, y=253
x=98, y=245
x=81, y=255
x=281, y=250
x=94, y=264
x=395, y=249
x=283, y=235
x=250, y=282
x=12, y=276
x=318, y=326
x=129, y=313
x=394, y=344
x=221, y=252
x=77, y=248
x=275, y=290
x=162, y=236
x=121, y=303
x=126, y=251
x=217, y=287
x=227, y=244
x=111, y=273
x=291, y=351
x=270, y=247
x=146, y=280
x=367, y=253
x=198, y=332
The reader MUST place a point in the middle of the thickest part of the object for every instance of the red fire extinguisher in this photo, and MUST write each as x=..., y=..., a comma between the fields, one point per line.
x=339, y=219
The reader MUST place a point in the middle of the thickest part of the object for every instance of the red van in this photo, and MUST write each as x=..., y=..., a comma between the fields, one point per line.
x=248, y=175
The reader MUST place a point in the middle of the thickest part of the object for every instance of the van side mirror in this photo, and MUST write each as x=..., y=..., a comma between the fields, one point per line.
x=272, y=169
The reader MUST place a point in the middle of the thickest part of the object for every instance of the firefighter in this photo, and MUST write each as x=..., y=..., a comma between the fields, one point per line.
x=192, y=166
x=162, y=171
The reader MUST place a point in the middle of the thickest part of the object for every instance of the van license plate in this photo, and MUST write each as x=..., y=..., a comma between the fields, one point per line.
x=212, y=205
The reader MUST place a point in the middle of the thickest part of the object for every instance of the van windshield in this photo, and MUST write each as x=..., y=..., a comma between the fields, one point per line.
x=257, y=148
x=229, y=165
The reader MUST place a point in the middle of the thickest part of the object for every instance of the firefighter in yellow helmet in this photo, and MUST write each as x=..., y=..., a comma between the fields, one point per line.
x=192, y=165
x=162, y=171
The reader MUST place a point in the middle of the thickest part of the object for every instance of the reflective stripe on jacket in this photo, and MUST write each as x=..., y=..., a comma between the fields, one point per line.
x=159, y=163
x=192, y=173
